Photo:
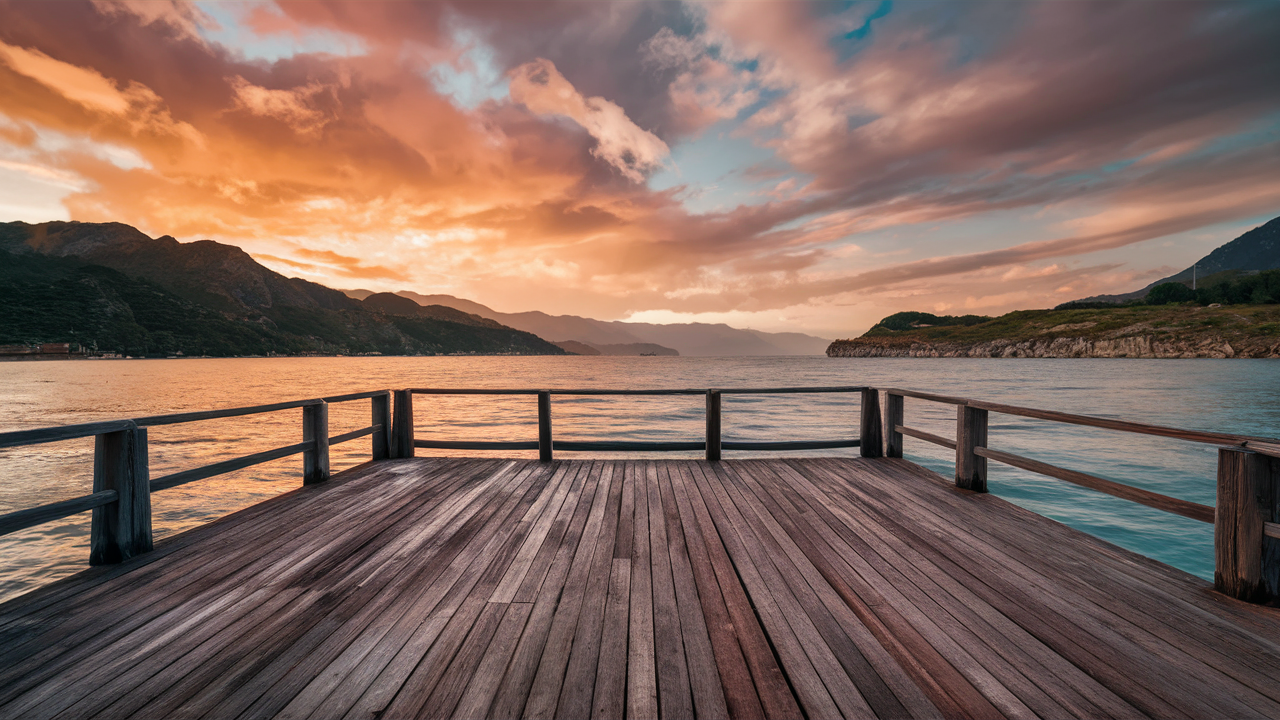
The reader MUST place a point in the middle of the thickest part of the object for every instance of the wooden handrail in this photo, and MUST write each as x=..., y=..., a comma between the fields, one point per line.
x=64, y=432
x=927, y=437
x=1269, y=446
x=187, y=417
x=627, y=391
x=1186, y=508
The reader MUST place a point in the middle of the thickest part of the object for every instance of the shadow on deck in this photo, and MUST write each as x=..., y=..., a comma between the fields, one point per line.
x=469, y=588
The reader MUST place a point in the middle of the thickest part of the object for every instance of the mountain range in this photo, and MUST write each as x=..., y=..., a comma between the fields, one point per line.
x=1254, y=251
x=691, y=339
x=109, y=287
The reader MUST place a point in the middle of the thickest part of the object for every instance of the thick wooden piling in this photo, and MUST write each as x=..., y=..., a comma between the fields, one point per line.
x=545, y=449
x=402, y=425
x=382, y=421
x=122, y=529
x=971, y=432
x=893, y=413
x=1246, y=561
x=315, y=429
x=871, y=436
x=713, y=425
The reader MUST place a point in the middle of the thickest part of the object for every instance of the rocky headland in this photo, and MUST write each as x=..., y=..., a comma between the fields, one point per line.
x=1133, y=332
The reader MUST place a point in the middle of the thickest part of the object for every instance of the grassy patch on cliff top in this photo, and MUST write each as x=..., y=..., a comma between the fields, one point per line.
x=1173, y=322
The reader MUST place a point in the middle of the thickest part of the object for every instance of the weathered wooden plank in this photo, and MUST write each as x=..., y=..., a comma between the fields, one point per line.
x=544, y=693
x=84, y=587
x=642, y=680
x=853, y=683
x=277, y=679
x=177, y=622
x=345, y=680
x=483, y=686
x=1115, y=650
x=759, y=582
x=272, y=613
x=675, y=698
x=498, y=543
x=797, y=523
x=1109, y=582
x=584, y=656
x=987, y=624
x=739, y=691
x=513, y=691
x=179, y=590
x=704, y=676
x=511, y=581
x=244, y=684
x=609, y=697
x=955, y=620
x=770, y=683
x=453, y=682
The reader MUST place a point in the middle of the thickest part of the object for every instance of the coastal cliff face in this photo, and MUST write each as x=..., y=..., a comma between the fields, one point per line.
x=1170, y=331
x=1137, y=346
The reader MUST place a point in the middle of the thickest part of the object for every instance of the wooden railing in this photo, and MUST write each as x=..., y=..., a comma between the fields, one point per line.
x=122, y=483
x=1246, y=518
x=869, y=438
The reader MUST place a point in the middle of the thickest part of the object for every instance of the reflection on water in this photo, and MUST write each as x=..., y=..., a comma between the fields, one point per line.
x=1240, y=396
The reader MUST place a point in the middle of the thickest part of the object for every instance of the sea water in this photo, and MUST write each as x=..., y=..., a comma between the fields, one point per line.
x=1232, y=396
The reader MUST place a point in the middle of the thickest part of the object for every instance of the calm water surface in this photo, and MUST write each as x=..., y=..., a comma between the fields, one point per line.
x=1239, y=396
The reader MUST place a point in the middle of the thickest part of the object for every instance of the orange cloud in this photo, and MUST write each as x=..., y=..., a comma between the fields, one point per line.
x=366, y=166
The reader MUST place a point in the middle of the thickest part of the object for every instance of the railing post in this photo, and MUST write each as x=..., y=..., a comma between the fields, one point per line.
x=382, y=419
x=713, y=425
x=892, y=419
x=402, y=426
x=315, y=428
x=122, y=529
x=871, y=437
x=544, y=426
x=1246, y=562
x=971, y=432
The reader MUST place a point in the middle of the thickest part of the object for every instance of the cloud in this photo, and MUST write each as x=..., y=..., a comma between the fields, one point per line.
x=294, y=107
x=620, y=142
x=902, y=157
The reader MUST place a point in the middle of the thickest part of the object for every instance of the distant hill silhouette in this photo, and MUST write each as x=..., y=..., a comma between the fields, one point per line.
x=109, y=286
x=1254, y=251
x=695, y=339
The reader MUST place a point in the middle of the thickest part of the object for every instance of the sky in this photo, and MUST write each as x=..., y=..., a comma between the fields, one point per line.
x=789, y=165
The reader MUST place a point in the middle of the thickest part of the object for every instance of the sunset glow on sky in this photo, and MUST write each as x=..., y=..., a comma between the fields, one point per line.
x=775, y=165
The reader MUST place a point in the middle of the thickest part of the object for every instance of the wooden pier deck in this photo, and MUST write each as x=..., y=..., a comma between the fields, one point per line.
x=470, y=588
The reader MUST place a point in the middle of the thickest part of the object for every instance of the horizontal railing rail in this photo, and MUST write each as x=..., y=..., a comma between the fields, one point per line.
x=122, y=486
x=712, y=445
x=1246, y=517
